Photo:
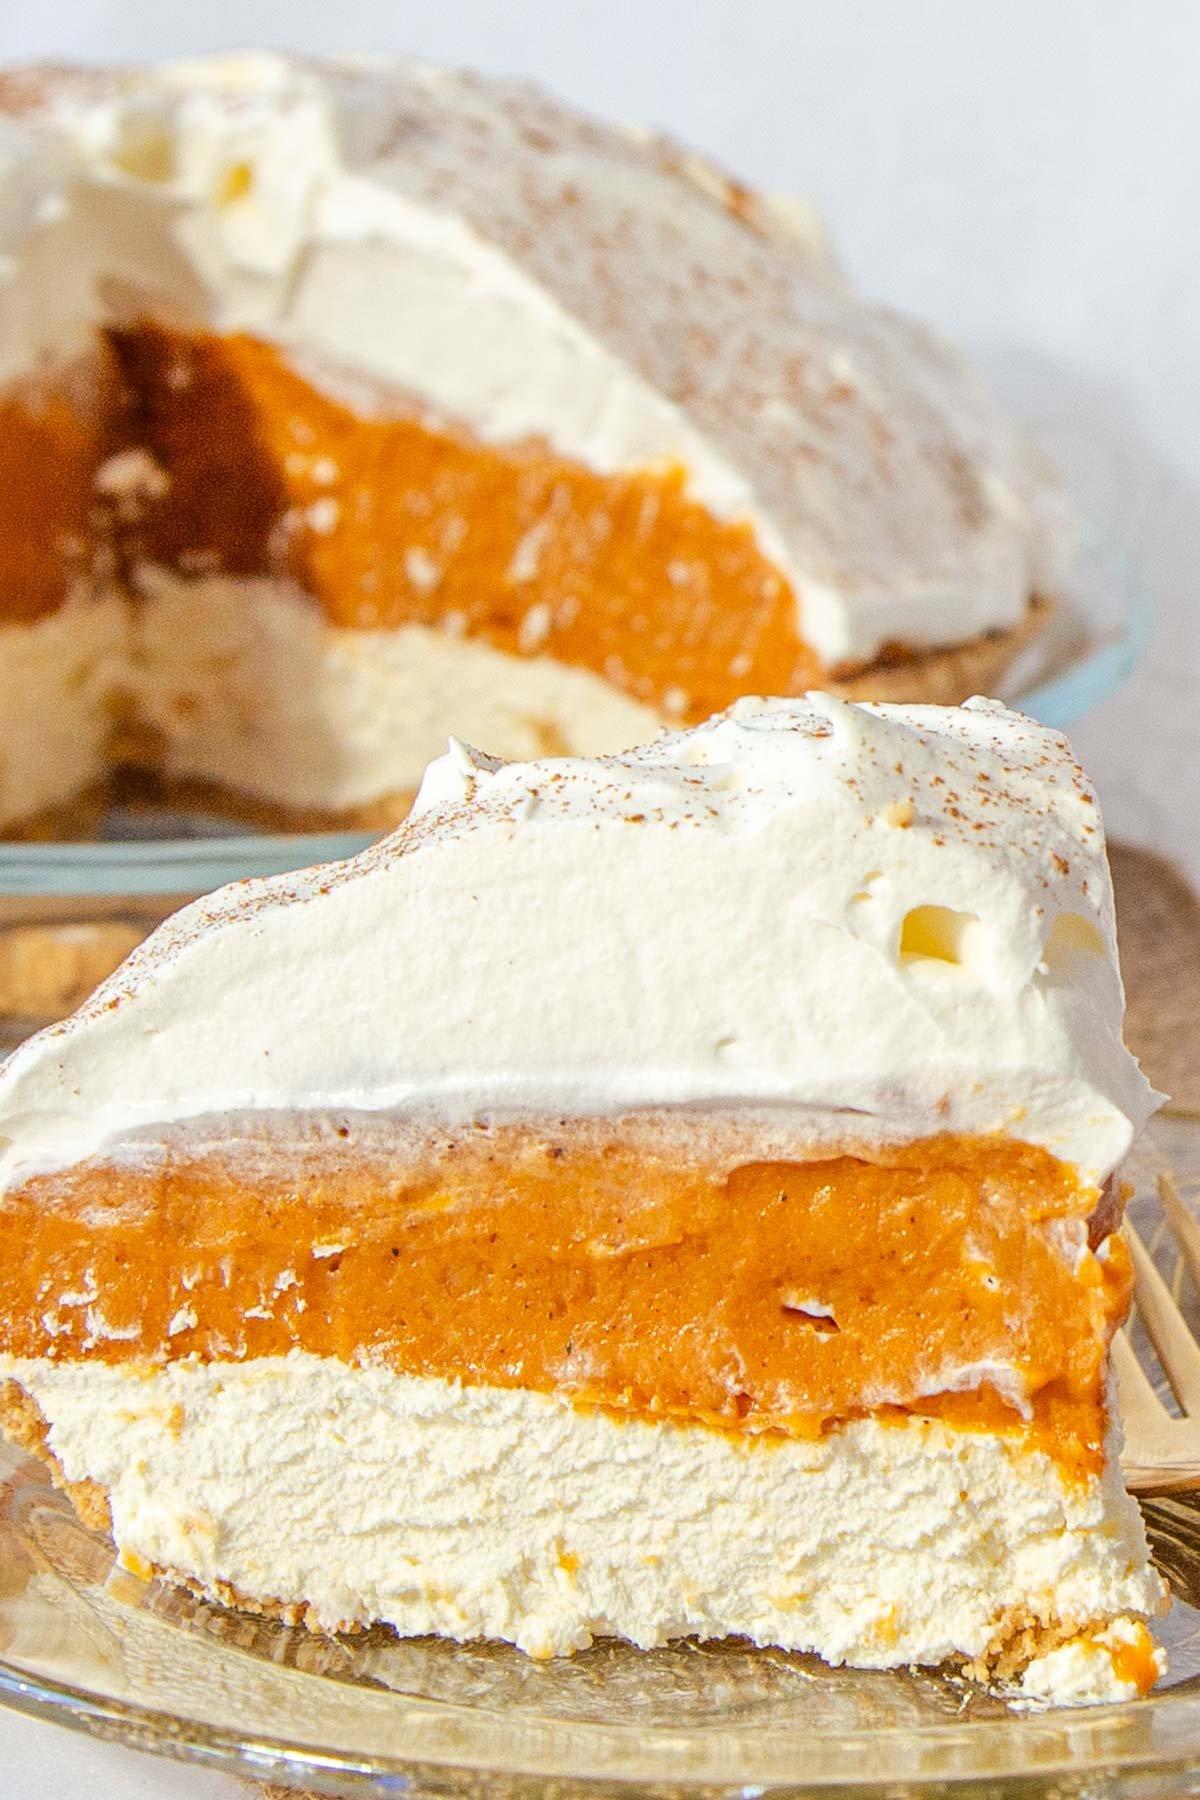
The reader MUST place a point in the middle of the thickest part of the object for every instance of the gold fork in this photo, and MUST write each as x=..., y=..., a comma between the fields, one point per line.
x=1162, y=1453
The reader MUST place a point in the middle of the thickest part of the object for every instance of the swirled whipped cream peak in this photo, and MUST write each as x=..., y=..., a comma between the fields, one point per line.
x=866, y=923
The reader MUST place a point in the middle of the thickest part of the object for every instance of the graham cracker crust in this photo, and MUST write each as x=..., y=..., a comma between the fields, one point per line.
x=46, y=971
x=1020, y=1637
x=74, y=821
x=1158, y=927
x=145, y=790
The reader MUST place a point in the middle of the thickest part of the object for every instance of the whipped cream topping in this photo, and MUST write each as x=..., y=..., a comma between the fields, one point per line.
x=877, y=920
x=471, y=248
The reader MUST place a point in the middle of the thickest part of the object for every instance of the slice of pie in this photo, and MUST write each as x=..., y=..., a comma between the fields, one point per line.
x=358, y=403
x=661, y=1195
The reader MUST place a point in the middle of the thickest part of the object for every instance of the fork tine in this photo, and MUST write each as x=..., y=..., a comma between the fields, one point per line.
x=1183, y=1223
x=1177, y=1349
x=1139, y=1402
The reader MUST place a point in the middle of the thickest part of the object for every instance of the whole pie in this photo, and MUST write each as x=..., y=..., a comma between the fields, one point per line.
x=345, y=405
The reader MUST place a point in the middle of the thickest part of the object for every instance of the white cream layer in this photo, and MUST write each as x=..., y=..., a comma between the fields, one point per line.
x=484, y=1512
x=253, y=688
x=886, y=921
x=56, y=677
x=504, y=264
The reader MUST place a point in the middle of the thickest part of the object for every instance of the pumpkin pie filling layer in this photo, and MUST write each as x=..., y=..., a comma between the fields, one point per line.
x=388, y=520
x=950, y=1277
x=56, y=432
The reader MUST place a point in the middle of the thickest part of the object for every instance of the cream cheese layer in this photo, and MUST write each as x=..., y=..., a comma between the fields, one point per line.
x=57, y=679
x=354, y=1494
x=250, y=686
x=527, y=273
x=881, y=921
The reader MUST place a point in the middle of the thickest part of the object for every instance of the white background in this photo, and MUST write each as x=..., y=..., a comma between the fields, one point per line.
x=1024, y=173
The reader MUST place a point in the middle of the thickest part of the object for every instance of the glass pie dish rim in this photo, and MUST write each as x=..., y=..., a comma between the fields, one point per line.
x=268, y=1756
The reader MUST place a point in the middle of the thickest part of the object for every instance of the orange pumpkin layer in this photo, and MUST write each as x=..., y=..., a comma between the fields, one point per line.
x=390, y=520
x=54, y=435
x=770, y=1296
